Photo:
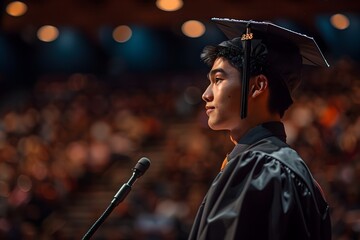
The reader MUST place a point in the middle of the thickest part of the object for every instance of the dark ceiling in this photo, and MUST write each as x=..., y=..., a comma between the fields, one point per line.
x=21, y=55
x=90, y=14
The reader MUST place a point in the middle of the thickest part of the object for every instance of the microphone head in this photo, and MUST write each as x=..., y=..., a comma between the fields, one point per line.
x=141, y=166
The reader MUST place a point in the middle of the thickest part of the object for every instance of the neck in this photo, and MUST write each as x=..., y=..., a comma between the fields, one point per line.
x=237, y=133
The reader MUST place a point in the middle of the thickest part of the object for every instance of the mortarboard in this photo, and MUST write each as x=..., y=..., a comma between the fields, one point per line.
x=286, y=51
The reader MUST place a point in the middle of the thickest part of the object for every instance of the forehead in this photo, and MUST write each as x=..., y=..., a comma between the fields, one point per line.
x=223, y=65
x=221, y=61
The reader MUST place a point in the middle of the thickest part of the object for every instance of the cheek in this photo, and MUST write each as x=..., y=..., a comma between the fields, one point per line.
x=233, y=97
x=229, y=95
x=235, y=103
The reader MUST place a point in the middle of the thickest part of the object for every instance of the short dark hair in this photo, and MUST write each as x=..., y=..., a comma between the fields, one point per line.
x=279, y=99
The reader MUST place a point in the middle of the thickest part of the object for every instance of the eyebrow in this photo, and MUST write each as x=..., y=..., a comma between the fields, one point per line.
x=214, y=71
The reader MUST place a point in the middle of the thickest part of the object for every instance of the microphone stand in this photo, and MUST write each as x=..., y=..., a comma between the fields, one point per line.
x=119, y=197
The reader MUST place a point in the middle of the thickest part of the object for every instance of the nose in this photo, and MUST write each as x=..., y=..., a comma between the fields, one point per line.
x=208, y=95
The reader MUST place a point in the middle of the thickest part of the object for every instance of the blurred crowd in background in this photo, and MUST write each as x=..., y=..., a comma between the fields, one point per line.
x=66, y=132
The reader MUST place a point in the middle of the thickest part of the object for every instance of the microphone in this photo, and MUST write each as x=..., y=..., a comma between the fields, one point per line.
x=140, y=168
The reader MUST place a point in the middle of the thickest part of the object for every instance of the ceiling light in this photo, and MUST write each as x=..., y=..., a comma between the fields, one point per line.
x=16, y=8
x=169, y=5
x=193, y=28
x=340, y=21
x=122, y=33
x=48, y=33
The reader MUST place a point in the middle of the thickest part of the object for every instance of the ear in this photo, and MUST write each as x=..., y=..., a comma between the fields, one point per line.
x=259, y=86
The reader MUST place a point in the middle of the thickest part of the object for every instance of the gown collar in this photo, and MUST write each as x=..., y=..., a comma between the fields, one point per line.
x=257, y=133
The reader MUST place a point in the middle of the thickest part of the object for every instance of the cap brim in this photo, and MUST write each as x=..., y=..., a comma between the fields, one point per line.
x=309, y=50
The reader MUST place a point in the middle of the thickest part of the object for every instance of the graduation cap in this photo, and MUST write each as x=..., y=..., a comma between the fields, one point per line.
x=264, y=45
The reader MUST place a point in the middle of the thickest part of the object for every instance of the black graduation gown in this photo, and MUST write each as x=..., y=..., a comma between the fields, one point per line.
x=265, y=192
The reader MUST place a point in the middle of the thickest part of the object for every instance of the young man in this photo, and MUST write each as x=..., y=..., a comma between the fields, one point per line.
x=265, y=190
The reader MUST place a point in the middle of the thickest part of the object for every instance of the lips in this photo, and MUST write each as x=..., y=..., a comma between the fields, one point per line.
x=209, y=109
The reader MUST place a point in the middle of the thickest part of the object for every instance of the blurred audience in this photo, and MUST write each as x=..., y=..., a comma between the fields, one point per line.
x=69, y=130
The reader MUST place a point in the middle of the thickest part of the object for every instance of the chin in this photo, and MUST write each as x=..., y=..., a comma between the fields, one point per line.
x=215, y=127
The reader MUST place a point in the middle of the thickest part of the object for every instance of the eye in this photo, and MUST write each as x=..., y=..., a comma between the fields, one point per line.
x=217, y=80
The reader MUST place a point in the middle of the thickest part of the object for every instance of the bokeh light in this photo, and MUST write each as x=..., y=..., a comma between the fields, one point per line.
x=193, y=28
x=16, y=8
x=169, y=5
x=122, y=33
x=48, y=33
x=340, y=21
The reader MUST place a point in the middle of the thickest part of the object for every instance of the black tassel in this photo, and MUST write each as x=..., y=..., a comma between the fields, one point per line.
x=246, y=38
